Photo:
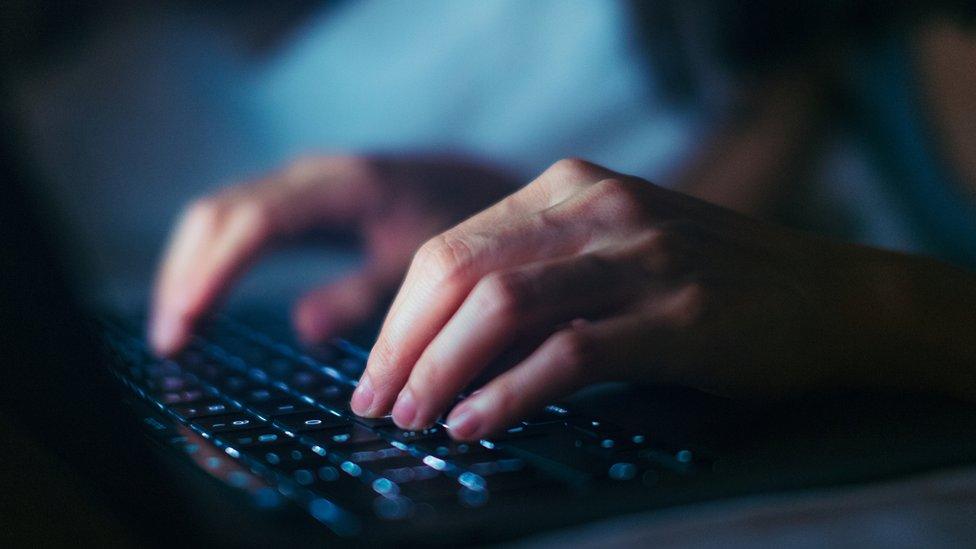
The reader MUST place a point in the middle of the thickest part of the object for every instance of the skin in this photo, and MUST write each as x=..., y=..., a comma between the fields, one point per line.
x=588, y=275
x=391, y=203
x=628, y=281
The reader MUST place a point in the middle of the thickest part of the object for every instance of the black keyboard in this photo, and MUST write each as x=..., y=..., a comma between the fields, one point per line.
x=282, y=413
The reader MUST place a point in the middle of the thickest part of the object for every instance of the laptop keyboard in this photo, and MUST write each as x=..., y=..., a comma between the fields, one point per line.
x=283, y=413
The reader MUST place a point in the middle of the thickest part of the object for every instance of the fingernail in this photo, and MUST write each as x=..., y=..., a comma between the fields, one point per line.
x=464, y=422
x=405, y=409
x=362, y=397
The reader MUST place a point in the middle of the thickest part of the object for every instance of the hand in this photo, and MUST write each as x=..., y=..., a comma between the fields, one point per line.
x=393, y=203
x=621, y=280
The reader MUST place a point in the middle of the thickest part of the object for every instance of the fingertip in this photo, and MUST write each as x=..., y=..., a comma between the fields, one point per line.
x=405, y=410
x=166, y=335
x=464, y=426
x=311, y=324
x=362, y=398
x=468, y=420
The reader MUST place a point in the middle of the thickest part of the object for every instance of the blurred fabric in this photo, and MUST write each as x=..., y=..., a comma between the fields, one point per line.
x=158, y=103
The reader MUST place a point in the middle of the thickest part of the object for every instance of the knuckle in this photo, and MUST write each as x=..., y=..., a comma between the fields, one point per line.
x=573, y=349
x=386, y=362
x=312, y=167
x=505, y=395
x=447, y=257
x=659, y=247
x=602, y=264
x=570, y=167
x=608, y=268
x=426, y=381
x=663, y=251
x=305, y=166
x=187, y=312
x=503, y=294
x=657, y=241
x=206, y=212
x=254, y=215
x=690, y=305
x=621, y=200
x=567, y=176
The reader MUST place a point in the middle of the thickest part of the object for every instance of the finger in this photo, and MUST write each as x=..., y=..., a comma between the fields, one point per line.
x=191, y=239
x=570, y=359
x=220, y=236
x=208, y=250
x=560, y=181
x=447, y=267
x=503, y=306
x=340, y=305
x=442, y=273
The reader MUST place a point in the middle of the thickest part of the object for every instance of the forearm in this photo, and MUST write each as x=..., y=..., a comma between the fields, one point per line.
x=915, y=323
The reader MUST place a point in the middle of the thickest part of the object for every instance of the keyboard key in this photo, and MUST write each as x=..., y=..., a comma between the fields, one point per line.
x=307, y=380
x=344, y=490
x=183, y=397
x=321, y=353
x=349, y=438
x=410, y=473
x=372, y=422
x=166, y=368
x=393, y=460
x=309, y=421
x=171, y=384
x=229, y=422
x=499, y=466
x=593, y=427
x=617, y=442
x=421, y=485
x=253, y=355
x=528, y=431
x=435, y=433
x=208, y=371
x=378, y=452
x=253, y=437
x=519, y=479
x=287, y=456
x=351, y=367
x=202, y=409
x=243, y=348
x=374, y=476
x=261, y=394
x=281, y=406
x=451, y=450
x=192, y=357
x=333, y=394
x=237, y=385
x=278, y=368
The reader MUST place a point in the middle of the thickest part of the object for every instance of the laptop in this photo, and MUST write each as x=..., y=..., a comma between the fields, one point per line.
x=247, y=439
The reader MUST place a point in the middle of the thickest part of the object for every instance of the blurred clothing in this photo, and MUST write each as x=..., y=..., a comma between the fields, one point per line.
x=161, y=105
x=889, y=108
x=161, y=109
